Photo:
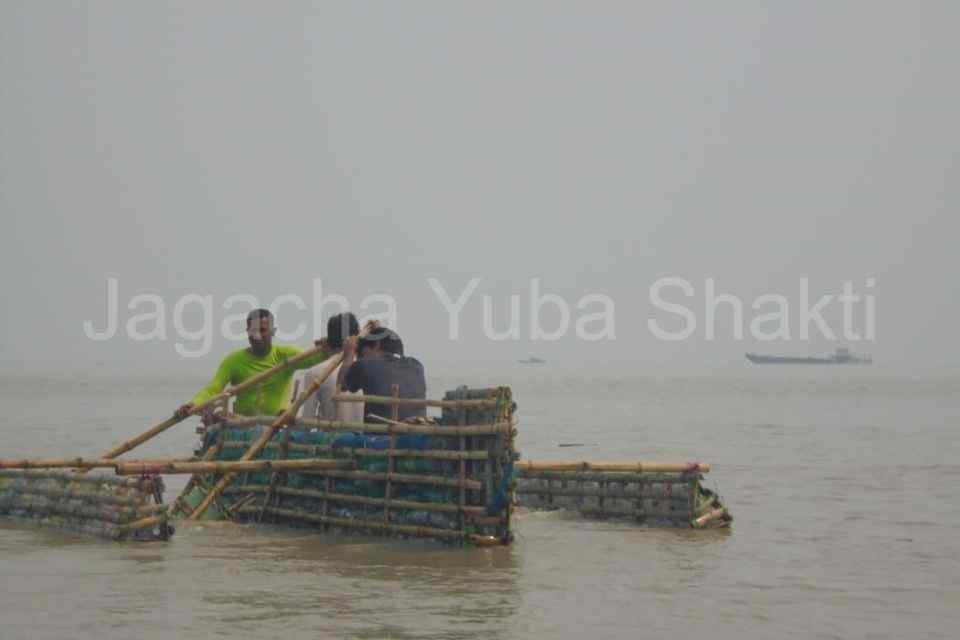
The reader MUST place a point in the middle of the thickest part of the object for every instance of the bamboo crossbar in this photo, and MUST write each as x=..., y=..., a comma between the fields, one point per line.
x=429, y=532
x=377, y=502
x=661, y=495
x=367, y=427
x=440, y=481
x=79, y=463
x=62, y=476
x=414, y=402
x=233, y=467
x=635, y=467
x=438, y=454
x=610, y=477
x=359, y=524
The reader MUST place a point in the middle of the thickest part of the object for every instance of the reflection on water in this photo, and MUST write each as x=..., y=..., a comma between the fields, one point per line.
x=842, y=491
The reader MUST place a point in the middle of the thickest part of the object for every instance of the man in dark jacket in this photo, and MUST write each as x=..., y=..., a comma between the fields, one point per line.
x=374, y=364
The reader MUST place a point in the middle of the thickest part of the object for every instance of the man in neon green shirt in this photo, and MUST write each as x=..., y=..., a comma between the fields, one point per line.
x=270, y=397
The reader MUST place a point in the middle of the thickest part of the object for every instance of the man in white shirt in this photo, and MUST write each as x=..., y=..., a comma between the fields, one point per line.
x=321, y=404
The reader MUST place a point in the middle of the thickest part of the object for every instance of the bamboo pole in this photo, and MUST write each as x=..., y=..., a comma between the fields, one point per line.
x=80, y=463
x=180, y=504
x=285, y=418
x=415, y=402
x=462, y=467
x=505, y=402
x=622, y=477
x=681, y=495
x=62, y=476
x=429, y=532
x=126, y=446
x=366, y=427
x=232, y=467
x=391, y=463
x=435, y=480
x=375, y=502
x=231, y=511
x=438, y=454
x=635, y=467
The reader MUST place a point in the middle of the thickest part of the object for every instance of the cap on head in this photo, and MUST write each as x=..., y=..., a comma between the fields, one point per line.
x=388, y=341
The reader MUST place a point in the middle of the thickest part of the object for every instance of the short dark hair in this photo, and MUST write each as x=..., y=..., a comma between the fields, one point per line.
x=388, y=340
x=258, y=314
x=338, y=325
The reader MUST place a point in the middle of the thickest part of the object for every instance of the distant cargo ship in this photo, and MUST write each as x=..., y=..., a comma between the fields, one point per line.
x=841, y=356
x=532, y=360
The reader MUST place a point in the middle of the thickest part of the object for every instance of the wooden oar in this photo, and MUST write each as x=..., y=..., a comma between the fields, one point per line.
x=229, y=393
x=254, y=450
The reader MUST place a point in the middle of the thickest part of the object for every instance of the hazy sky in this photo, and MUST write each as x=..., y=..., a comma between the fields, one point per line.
x=226, y=148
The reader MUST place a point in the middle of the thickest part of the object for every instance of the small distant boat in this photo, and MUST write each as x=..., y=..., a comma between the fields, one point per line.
x=532, y=360
x=840, y=356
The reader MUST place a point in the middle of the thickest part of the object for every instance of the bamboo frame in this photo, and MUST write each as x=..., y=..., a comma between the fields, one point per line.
x=440, y=481
x=439, y=454
x=583, y=492
x=367, y=427
x=635, y=467
x=429, y=532
x=79, y=463
x=232, y=467
x=612, y=477
x=414, y=402
x=374, y=502
x=255, y=499
x=505, y=414
x=462, y=469
x=391, y=461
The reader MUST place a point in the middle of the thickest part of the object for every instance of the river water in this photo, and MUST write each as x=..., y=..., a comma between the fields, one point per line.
x=842, y=481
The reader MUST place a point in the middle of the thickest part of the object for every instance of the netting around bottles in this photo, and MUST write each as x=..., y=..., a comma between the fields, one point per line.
x=89, y=504
x=448, y=480
x=664, y=499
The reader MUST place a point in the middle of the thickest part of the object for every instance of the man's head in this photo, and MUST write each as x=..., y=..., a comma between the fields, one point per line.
x=380, y=341
x=260, y=330
x=340, y=326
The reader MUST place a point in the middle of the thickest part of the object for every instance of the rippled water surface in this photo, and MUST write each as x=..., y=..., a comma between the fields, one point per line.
x=843, y=483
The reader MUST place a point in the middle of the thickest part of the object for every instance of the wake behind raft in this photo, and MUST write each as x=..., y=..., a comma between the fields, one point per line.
x=455, y=478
